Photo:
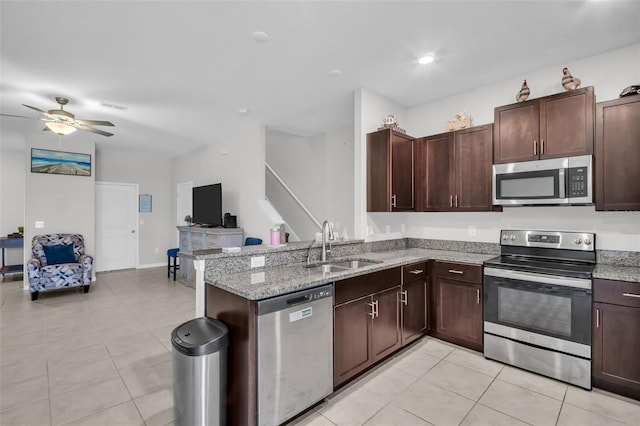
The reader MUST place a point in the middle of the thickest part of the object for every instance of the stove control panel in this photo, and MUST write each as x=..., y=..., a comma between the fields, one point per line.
x=549, y=239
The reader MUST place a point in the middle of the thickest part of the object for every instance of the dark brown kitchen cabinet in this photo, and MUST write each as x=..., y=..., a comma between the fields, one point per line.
x=554, y=126
x=453, y=170
x=616, y=336
x=457, y=303
x=617, y=154
x=351, y=339
x=390, y=168
x=385, y=324
x=413, y=302
x=366, y=322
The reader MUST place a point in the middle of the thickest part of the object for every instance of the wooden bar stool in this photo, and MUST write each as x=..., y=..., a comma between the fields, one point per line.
x=172, y=254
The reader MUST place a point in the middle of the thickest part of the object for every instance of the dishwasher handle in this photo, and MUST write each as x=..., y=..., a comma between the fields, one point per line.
x=304, y=297
x=297, y=300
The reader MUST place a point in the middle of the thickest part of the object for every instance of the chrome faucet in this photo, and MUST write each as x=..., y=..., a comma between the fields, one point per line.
x=326, y=225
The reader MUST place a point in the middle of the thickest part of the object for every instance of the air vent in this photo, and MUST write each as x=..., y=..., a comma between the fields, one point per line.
x=112, y=106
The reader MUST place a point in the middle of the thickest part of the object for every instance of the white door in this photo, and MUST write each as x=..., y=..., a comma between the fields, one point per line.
x=116, y=226
x=184, y=199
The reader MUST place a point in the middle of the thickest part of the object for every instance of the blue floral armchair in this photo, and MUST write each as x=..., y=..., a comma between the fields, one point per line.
x=58, y=261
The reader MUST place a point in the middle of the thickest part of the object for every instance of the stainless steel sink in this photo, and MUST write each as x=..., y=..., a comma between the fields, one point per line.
x=326, y=268
x=340, y=266
x=354, y=263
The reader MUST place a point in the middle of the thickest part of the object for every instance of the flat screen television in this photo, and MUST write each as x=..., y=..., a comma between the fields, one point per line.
x=207, y=205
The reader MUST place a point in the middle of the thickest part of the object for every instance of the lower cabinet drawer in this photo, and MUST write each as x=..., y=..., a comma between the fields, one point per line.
x=414, y=272
x=622, y=293
x=356, y=287
x=458, y=271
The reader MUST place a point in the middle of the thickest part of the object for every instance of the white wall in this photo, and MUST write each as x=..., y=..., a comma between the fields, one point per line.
x=12, y=191
x=339, y=179
x=318, y=170
x=238, y=164
x=609, y=73
x=66, y=204
x=152, y=173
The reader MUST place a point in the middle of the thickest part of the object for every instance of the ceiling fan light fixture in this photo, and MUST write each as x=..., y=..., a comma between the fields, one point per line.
x=60, y=128
x=426, y=60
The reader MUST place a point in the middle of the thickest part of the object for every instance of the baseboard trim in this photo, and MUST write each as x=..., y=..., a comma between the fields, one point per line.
x=151, y=265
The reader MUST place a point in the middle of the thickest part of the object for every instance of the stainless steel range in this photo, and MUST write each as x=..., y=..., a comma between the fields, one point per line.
x=537, y=303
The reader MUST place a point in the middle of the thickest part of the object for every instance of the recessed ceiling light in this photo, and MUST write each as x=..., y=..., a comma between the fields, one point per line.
x=243, y=111
x=260, y=36
x=335, y=72
x=425, y=60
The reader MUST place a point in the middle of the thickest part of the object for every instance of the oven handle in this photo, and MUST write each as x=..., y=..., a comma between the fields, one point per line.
x=538, y=278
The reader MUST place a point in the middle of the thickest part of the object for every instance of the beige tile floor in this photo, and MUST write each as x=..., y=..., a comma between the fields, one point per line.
x=101, y=358
x=104, y=358
x=436, y=383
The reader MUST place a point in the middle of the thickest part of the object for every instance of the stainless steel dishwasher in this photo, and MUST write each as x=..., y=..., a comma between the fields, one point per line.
x=295, y=353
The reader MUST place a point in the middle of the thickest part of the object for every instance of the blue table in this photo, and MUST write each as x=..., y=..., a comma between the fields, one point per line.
x=6, y=243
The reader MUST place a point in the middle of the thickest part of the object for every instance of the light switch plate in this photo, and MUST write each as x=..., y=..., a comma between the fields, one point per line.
x=257, y=261
x=39, y=224
x=472, y=231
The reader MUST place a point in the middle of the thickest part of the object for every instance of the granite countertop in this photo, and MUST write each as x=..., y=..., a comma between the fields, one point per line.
x=262, y=283
x=615, y=272
x=216, y=253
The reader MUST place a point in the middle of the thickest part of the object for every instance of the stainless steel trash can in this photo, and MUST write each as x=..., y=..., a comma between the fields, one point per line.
x=200, y=372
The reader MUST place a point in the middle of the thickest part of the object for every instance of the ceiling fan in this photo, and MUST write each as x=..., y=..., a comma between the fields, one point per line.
x=63, y=122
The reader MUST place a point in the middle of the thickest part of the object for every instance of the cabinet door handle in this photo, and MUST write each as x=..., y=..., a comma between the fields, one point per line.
x=373, y=309
x=631, y=295
x=455, y=271
x=404, y=297
x=535, y=147
x=393, y=200
x=597, y=318
x=456, y=200
x=478, y=296
x=541, y=146
x=450, y=200
x=416, y=271
x=376, y=306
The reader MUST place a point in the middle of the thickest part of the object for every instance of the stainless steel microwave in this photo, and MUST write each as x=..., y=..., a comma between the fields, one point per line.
x=555, y=181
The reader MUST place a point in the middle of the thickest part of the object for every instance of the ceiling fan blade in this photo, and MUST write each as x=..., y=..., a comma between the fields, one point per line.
x=95, y=122
x=36, y=109
x=20, y=116
x=91, y=129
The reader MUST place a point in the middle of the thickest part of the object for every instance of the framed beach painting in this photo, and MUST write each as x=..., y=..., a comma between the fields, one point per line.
x=60, y=162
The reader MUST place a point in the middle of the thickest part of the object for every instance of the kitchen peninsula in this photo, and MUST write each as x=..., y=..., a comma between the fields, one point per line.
x=233, y=290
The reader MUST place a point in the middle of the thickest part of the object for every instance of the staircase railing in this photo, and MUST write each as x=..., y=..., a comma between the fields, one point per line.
x=294, y=196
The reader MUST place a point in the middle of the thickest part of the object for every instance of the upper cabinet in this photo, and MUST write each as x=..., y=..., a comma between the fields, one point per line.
x=550, y=127
x=453, y=170
x=390, y=168
x=617, y=154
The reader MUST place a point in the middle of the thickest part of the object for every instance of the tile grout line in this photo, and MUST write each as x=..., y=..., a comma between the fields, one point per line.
x=564, y=397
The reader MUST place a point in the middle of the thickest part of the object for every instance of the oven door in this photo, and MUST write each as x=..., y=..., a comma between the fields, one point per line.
x=544, y=310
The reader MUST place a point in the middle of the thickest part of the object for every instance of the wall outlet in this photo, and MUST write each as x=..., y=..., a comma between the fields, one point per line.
x=257, y=261
x=472, y=231
x=39, y=224
x=257, y=277
x=156, y=250
x=388, y=228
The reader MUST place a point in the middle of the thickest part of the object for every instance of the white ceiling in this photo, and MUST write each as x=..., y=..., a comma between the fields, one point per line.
x=183, y=68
